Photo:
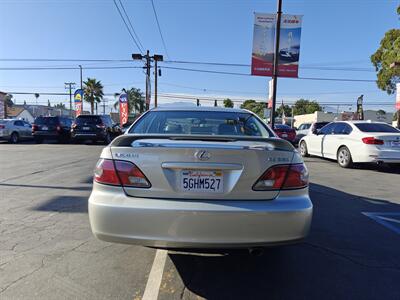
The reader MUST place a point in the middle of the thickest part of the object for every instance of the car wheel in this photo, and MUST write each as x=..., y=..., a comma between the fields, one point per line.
x=107, y=139
x=14, y=138
x=344, y=157
x=38, y=140
x=303, y=149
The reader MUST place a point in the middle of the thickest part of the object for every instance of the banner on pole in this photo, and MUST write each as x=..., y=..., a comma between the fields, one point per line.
x=270, y=91
x=262, y=61
x=78, y=96
x=397, y=96
x=123, y=109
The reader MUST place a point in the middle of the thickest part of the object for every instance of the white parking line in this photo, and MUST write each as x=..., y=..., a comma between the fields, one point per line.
x=155, y=276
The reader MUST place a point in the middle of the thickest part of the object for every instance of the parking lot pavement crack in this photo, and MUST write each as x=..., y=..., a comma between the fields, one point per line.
x=44, y=170
x=23, y=277
x=344, y=256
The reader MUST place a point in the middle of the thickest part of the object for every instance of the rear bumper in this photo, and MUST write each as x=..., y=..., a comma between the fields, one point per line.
x=115, y=217
x=88, y=135
x=372, y=154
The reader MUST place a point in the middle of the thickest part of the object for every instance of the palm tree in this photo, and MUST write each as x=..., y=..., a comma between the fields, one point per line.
x=93, y=92
x=135, y=100
x=37, y=97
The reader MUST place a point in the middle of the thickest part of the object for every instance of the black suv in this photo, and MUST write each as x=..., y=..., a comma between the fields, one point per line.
x=55, y=128
x=94, y=128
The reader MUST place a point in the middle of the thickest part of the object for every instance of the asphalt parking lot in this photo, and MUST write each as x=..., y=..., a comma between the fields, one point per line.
x=47, y=250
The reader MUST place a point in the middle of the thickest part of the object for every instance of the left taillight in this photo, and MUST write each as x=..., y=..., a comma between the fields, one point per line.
x=281, y=177
x=34, y=127
x=120, y=172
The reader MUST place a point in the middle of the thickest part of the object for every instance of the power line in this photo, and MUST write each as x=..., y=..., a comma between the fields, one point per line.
x=68, y=68
x=159, y=29
x=127, y=27
x=133, y=30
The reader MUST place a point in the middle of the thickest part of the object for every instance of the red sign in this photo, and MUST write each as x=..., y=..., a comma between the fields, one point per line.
x=398, y=96
x=123, y=109
x=78, y=108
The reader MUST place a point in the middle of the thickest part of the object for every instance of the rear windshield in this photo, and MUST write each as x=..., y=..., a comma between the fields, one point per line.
x=46, y=121
x=320, y=125
x=376, y=127
x=89, y=120
x=200, y=123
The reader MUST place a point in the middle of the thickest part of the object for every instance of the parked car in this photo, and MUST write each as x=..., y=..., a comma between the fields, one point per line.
x=94, y=128
x=15, y=130
x=308, y=128
x=52, y=128
x=354, y=142
x=285, y=132
x=202, y=177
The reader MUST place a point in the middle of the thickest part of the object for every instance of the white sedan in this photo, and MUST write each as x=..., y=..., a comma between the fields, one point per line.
x=354, y=142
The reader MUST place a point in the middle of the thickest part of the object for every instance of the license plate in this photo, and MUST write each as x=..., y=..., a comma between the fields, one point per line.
x=86, y=128
x=284, y=135
x=395, y=144
x=45, y=128
x=202, y=181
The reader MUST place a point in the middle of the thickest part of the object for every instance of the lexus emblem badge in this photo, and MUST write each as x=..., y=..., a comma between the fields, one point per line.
x=203, y=155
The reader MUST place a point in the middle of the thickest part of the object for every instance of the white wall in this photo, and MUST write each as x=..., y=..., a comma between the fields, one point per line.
x=25, y=115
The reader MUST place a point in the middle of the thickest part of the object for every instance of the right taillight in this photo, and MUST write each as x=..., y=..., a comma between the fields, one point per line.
x=34, y=127
x=282, y=177
x=120, y=172
x=2, y=126
x=372, y=141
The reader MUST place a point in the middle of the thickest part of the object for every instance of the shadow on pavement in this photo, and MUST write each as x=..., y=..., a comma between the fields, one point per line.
x=346, y=256
x=69, y=204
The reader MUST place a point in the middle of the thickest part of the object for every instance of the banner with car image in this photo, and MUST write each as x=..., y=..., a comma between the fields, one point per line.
x=262, y=61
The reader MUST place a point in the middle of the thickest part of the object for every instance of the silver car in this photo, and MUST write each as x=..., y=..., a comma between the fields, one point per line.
x=15, y=130
x=200, y=178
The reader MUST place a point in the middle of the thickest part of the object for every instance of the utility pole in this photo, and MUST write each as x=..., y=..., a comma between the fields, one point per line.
x=147, y=66
x=198, y=102
x=70, y=86
x=104, y=106
x=80, y=67
x=276, y=61
x=215, y=103
x=157, y=73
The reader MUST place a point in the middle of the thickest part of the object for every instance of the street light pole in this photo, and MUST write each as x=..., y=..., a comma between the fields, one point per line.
x=276, y=61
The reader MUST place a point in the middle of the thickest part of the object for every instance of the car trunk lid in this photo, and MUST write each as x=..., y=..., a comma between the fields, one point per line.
x=169, y=162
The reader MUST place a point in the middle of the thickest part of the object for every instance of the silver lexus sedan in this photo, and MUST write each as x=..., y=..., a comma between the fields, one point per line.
x=204, y=178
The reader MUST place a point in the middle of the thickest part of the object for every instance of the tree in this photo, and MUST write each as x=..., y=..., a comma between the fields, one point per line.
x=60, y=105
x=48, y=103
x=228, y=103
x=37, y=96
x=254, y=106
x=8, y=103
x=92, y=92
x=136, y=100
x=286, y=108
x=303, y=106
x=384, y=59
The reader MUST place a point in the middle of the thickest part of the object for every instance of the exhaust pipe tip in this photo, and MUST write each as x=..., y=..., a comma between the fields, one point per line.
x=256, y=251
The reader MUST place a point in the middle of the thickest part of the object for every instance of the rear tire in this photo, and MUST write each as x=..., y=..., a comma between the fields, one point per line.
x=344, y=157
x=303, y=149
x=14, y=138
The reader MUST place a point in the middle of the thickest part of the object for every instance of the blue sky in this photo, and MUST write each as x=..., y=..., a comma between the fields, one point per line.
x=335, y=33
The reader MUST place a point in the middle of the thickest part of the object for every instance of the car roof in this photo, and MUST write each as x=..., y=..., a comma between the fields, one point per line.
x=200, y=108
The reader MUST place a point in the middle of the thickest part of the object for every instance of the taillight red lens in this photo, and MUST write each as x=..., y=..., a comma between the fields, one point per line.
x=120, y=172
x=283, y=177
x=58, y=128
x=2, y=126
x=105, y=172
x=34, y=127
x=372, y=141
x=131, y=175
x=101, y=126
